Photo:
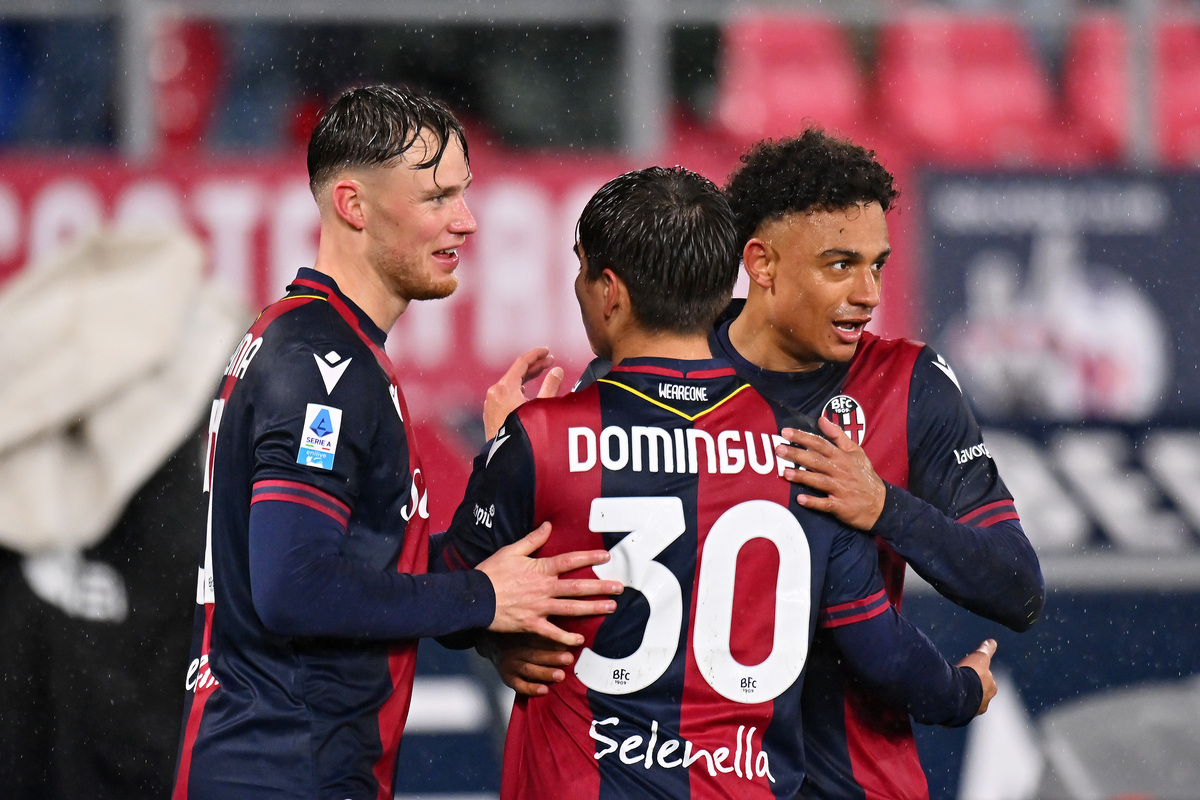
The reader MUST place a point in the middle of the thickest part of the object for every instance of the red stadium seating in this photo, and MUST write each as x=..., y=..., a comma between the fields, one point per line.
x=1096, y=83
x=1097, y=88
x=778, y=73
x=966, y=90
x=186, y=70
x=1178, y=96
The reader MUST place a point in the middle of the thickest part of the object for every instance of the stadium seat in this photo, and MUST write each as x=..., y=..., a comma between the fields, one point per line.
x=1178, y=96
x=187, y=72
x=1097, y=88
x=1096, y=83
x=778, y=73
x=965, y=90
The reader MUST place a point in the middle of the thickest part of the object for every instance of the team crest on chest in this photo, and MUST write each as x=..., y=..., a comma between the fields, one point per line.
x=846, y=412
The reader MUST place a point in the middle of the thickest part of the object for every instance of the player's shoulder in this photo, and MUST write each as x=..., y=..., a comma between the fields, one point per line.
x=888, y=350
x=884, y=356
x=747, y=397
x=306, y=326
x=306, y=348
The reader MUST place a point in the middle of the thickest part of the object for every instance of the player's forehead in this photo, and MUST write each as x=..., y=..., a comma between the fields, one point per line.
x=412, y=167
x=861, y=228
x=451, y=169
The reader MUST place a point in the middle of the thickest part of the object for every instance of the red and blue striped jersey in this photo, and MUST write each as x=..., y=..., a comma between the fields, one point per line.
x=947, y=513
x=692, y=687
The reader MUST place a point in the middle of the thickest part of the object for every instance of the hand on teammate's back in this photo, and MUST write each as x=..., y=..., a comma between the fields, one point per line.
x=529, y=590
x=505, y=395
x=527, y=663
x=981, y=661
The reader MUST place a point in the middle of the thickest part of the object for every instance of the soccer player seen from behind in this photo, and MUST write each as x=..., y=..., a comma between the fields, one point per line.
x=692, y=688
x=314, y=587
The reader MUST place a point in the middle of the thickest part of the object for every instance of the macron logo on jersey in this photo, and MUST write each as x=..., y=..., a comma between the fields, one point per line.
x=318, y=440
x=501, y=438
x=331, y=370
x=948, y=372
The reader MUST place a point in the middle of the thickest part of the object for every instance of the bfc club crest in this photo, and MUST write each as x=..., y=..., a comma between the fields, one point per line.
x=845, y=412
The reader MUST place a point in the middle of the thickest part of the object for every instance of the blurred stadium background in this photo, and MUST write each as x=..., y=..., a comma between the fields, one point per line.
x=1045, y=243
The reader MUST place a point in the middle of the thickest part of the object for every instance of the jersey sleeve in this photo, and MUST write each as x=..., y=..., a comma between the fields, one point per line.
x=307, y=433
x=497, y=508
x=853, y=588
x=902, y=667
x=897, y=661
x=301, y=584
x=957, y=525
x=312, y=438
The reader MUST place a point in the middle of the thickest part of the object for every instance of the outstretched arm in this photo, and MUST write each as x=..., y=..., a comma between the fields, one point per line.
x=302, y=585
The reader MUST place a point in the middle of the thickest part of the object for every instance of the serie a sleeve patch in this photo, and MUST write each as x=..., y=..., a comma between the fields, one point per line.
x=318, y=440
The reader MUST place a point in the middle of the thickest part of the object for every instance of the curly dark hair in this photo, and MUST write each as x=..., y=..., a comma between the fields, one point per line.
x=373, y=126
x=668, y=233
x=811, y=172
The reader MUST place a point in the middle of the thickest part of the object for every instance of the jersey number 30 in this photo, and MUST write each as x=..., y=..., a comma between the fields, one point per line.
x=655, y=522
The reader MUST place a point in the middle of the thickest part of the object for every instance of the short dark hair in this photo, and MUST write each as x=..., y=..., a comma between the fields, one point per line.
x=811, y=172
x=375, y=125
x=668, y=233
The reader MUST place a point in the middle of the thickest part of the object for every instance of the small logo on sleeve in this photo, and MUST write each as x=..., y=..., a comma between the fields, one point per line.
x=331, y=371
x=318, y=440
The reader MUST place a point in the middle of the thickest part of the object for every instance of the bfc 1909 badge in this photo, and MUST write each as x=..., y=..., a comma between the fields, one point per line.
x=845, y=412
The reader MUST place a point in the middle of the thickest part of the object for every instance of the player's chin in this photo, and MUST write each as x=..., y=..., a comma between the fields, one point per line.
x=436, y=288
x=839, y=352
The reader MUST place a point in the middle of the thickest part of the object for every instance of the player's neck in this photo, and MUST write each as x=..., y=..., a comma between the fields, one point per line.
x=648, y=344
x=359, y=283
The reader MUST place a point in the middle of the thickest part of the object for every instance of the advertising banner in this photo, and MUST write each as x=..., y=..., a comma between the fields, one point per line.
x=258, y=223
x=1065, y=305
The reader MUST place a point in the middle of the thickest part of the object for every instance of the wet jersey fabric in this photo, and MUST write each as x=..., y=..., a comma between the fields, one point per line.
x=946, y=509
x=692, y=688
x=312, y=589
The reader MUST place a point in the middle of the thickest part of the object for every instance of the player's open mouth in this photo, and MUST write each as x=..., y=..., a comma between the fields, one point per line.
x=850, y=330
x=448, y=257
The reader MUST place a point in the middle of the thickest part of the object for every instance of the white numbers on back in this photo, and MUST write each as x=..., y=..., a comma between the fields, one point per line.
x=654, y=523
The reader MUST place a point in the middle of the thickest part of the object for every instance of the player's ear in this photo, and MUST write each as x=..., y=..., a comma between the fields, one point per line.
x=759, y=262
x=616, y=294
x=347, y=201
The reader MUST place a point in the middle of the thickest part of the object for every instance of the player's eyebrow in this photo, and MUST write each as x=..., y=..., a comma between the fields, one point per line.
x=454, y=188
x=852, y=255
x=462, y=185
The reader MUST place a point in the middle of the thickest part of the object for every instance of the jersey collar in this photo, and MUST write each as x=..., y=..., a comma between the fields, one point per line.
x=365, y=324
